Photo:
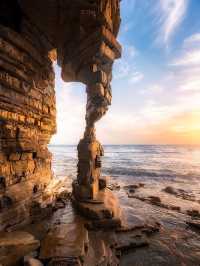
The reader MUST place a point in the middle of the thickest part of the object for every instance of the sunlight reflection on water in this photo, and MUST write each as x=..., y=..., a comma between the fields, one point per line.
x=137, y=162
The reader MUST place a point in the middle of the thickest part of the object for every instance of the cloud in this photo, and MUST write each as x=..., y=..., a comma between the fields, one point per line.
x=170, y=14
x=125, y=68
x=188, y=59
x=187, y=64
x=129, y=51
x=191, y=83
x=135, y=77
x=152, y=89
x=190, y=53
x=121, y=69
x=192, y=40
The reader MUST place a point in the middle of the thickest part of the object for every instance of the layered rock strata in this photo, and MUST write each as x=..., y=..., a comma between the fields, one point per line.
x=27, y=119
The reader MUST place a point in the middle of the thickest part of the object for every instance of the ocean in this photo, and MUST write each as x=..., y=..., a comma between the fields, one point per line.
x=128, y=163
x=154, y=184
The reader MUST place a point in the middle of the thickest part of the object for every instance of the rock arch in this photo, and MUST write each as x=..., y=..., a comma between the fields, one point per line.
x=84, y=35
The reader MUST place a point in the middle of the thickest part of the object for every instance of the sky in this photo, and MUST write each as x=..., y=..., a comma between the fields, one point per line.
x=156, y=83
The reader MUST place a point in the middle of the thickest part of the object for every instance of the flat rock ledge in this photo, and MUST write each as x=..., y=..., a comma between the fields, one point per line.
x=14, y=246
x=65, y=241
x=103, y=213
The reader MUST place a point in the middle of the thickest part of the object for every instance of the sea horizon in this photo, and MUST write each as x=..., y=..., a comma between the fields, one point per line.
x=155, y=162
x=162, y=144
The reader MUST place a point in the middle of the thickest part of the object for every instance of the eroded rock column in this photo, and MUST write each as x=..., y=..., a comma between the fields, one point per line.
x=95, y=70
x=90, y=149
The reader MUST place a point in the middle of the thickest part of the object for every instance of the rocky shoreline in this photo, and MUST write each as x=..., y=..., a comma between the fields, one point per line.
x=154, y=232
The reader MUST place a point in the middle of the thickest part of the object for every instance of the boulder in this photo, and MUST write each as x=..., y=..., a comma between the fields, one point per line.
x=102, y=182
x=155, y=199
x=15, y=245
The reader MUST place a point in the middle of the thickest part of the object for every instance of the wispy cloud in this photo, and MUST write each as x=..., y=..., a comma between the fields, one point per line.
x=187, y=64
x=125, y=67
x=136, y=77
x=189, y=58
x=192, y=40
x=170, y=14
x=129, y=51
x=190, y=53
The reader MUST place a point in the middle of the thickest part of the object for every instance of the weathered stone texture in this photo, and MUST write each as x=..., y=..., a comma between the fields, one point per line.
x=91, y=63
x=27, y=121
x=83, y=32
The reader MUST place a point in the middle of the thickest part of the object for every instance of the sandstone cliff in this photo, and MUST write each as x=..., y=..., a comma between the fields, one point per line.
x=27, y=119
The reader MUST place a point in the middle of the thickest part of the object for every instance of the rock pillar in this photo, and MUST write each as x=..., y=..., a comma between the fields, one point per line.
x=92, y=64
x=90, y=150
x=95, y=70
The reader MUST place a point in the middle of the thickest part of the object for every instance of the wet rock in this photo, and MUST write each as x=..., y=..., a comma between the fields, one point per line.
x=37, y=212
x=141, y=184
x=148, y=229
x=17, y=245
x=132, y=243
x=65, y=262
x=59, y=205
x=114, y=186
x=180, y=193
x=194, y=223
x=155, y=199
x=65, y=241
x=131, y=195
x=170, y=190
x=129, y=229
x=131, y=190
x=193, y=213
x=134, y=186
x=99, y=252
x=104, y=224
x=105, y=208
x=63, y=196
x=103, y=182
x=32, y=262
x=175, y=208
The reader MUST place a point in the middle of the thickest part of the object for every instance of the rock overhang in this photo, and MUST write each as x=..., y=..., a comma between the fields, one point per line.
x=84, y=35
